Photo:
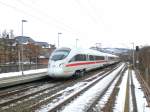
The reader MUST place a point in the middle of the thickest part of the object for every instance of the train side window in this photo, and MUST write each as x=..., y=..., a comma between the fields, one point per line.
x=110, y=58
x=100, y=57
x=72, y=59
x=83, y=57
x=91, y=57
x=96, y=58
x=79, y=57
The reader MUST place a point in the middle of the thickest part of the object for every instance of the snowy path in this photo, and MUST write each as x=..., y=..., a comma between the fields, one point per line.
x=139, y=95
x=28, y=72
x=120, y=101
x=141, y=101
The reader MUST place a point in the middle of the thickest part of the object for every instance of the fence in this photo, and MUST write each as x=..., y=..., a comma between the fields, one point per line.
x=15, y=68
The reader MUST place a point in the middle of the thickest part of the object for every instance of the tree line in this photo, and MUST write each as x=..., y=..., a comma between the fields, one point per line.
x=143, y=57
x=10, y=52
x=7, y=34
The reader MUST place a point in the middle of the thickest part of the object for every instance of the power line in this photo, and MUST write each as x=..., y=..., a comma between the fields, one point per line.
x=36, y=17
x=42, y=13
x=48, y=16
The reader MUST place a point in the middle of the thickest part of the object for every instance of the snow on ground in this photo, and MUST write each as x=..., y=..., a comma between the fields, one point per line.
x=130, y=98
x=12, y=74
x=94, y=76
x=68, y=92
x=105, y=98
x=120, y=100
x=82, y=103
x=141, y=101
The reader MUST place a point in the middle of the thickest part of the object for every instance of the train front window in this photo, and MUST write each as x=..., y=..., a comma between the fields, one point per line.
x=59, y=55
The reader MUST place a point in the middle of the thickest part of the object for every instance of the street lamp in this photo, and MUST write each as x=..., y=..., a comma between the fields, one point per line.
x=133, y=55
x=22, y=47
x=59, y=33
x=76, y=42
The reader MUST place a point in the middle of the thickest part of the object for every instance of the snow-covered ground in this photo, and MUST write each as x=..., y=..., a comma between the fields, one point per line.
x=130, y=98
x=85, y=100
x=101, y=103
x=28, y=72
x=141, y=100
x=120, y=100
x=82, y=103
x=66, y=93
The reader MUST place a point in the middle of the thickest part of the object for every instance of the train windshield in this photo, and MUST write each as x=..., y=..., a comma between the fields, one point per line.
x=60, y=54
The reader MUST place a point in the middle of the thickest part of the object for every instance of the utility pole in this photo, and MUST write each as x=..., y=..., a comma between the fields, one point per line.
x=19, y=58
x=133, y=55
x=137, y=56
x=77, y=42
x=59, y=33
x=22, y=47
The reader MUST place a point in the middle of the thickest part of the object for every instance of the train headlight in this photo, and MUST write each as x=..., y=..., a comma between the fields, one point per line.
x=61, y=65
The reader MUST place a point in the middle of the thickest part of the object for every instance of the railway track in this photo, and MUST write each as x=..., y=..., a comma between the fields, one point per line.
x=111, y=100
x=108, y=106
x=21, y=88
x=60, y=105
x=53, y=98
x=42, y=93
x=74, y=95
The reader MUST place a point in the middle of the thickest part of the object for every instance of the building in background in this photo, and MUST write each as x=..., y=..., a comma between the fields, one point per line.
x=34, y=53
x=41, y=49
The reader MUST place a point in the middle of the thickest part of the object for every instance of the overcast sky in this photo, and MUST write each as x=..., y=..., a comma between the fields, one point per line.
x=113, y=23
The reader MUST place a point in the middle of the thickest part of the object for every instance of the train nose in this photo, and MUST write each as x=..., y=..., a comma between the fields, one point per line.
x=54, y=70
x=51, y=64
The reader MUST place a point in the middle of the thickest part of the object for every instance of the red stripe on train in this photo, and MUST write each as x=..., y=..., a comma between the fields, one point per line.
x=101, y=61
x=84, y=63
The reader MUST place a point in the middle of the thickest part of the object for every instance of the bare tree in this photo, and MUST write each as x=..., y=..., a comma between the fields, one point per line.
x=32, y=52
x=12, y=34
x=4, y=34
x=0, y=35
x=144, y=59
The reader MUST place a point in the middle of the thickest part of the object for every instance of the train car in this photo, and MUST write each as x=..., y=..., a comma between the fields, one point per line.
x=66, y=62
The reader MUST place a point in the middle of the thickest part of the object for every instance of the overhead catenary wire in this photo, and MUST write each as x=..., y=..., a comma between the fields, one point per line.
x=32, y=7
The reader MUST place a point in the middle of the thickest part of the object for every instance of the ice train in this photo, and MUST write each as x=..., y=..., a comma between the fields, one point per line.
x=66, y=62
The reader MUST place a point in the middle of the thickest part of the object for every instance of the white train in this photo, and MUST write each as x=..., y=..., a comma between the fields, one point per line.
x=66, y=62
